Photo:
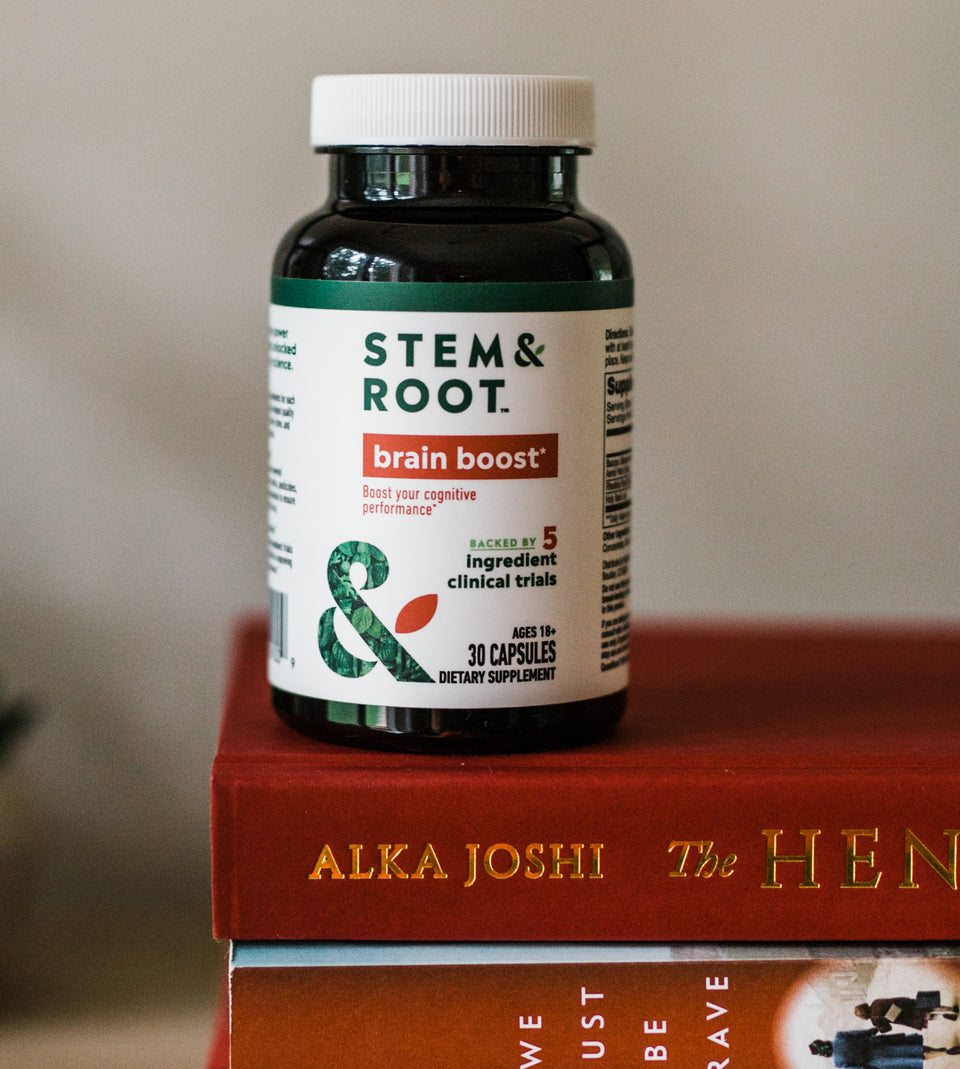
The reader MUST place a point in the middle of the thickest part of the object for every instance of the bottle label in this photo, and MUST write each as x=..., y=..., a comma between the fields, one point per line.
x=449, y=498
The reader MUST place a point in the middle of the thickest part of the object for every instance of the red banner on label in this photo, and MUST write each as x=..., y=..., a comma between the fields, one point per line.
x=475, y=456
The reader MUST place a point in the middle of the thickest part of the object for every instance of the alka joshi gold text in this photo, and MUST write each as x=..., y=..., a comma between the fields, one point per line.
x=501, y=861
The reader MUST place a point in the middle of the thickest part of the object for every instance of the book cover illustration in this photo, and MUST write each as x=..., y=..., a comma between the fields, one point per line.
x=558, y=1006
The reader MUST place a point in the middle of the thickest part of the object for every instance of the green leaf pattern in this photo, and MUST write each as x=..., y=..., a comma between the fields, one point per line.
x=381, y=642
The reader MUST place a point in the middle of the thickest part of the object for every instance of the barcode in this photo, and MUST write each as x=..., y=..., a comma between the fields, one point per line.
x=279, y=610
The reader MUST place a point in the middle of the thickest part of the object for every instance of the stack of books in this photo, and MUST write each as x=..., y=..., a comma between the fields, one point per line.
x=758, y=868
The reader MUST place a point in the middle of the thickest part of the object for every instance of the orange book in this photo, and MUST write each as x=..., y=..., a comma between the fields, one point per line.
x=297, y=1006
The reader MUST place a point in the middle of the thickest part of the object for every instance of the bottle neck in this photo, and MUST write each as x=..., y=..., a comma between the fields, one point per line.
x=451, y=177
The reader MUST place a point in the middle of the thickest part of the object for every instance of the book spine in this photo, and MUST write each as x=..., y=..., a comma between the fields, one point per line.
x=673, y=855
x=562, y=1006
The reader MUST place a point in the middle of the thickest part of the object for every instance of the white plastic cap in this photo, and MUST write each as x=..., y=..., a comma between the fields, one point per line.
x=451, y=109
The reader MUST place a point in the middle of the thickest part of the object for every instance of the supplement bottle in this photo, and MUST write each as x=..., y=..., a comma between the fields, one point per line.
x=450, y=417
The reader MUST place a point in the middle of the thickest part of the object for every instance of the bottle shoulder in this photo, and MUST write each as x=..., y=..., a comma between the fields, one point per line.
x=408, y=244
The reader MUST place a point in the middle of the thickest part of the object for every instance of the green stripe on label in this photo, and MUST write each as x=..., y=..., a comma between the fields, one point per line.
x=453, y=296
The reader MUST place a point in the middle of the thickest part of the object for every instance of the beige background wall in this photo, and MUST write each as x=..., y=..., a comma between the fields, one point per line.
x=786, y=174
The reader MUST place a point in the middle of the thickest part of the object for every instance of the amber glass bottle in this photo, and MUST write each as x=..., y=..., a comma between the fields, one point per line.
x=450, y=382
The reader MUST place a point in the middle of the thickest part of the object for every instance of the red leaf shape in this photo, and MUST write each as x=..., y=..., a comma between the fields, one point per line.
x=416, y=614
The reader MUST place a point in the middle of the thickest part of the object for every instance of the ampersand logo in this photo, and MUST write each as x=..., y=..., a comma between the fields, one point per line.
x=380, y=640
x=526, y=356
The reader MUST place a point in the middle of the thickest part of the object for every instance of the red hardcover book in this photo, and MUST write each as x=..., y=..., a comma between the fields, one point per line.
x=767, y=783
x=561, y=1005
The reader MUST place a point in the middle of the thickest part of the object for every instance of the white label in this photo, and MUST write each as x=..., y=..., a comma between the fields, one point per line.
x=449, y=505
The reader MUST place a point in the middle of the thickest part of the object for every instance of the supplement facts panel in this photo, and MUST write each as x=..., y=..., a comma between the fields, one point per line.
x=617, y=457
